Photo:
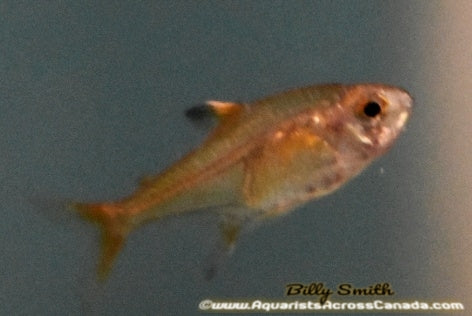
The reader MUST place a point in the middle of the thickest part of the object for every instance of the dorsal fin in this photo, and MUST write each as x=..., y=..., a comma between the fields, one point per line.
x=220, y=109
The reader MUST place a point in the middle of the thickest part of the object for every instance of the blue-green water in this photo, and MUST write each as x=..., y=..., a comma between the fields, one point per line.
x=92, y=98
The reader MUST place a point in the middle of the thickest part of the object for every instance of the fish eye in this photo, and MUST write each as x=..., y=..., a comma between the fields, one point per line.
x=372, y=109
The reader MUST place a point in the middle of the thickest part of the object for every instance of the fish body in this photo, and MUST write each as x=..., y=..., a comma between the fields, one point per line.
x=263, y=159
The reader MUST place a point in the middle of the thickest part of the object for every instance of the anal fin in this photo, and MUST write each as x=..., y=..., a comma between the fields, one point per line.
x=230, y=229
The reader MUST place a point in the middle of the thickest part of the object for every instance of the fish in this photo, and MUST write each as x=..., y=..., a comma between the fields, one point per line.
x=262, y=160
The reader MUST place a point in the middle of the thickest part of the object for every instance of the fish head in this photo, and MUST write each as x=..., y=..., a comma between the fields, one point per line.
x=374, y=115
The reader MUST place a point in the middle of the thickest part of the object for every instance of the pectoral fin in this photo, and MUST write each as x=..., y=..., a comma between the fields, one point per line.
x=293, y=166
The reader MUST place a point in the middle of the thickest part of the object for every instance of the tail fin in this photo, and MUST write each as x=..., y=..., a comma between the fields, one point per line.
x=115, y=228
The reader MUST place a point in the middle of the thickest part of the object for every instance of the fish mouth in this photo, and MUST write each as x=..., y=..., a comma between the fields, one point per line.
x=401, y=104
x=399, y=111
x=378, y=136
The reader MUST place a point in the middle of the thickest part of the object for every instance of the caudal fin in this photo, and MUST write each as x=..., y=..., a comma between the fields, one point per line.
x=115, y=229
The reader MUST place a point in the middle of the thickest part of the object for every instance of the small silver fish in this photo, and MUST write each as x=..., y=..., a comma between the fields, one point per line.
x=262, y=160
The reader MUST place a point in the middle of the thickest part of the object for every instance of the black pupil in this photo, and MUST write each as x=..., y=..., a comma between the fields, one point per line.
x=372, y=109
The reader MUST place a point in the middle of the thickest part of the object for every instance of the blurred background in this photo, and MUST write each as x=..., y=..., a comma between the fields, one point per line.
x=92, y=96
